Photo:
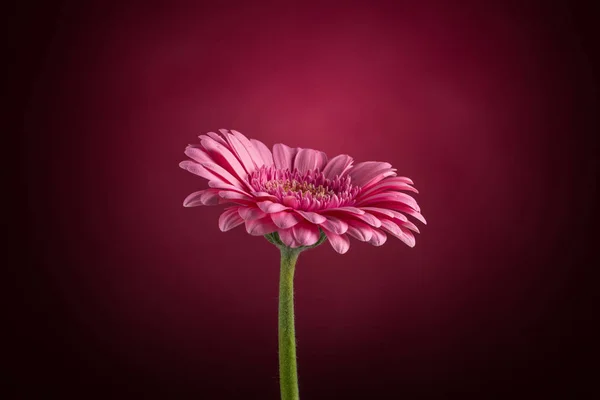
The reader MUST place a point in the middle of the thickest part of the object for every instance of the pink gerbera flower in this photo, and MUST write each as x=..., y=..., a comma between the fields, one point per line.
x=297, y=199
x=297, y=195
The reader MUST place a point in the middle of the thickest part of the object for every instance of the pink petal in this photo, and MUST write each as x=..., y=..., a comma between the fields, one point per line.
x=306, y=234
x=359, y=230
x=270, y=207
x=337, y=166
x=260, y=227
x=197, y=169
x=264, y=152
x=340, y=243
x=365, y=172
x=231, y=195
x=240, y=151
x=230, y=219
x=264, y=196
x=283, y=156
x=208, y=197
x=369, y=219
x=222, y=174
x=378, y=237
x=391, y=197
x=405, y=180
x=391, y=227
x=197, y=154
x=399, y=215
x=249, y=146
x=403, y=208
x=381, y=211
x=251, y=213
x=414, y=214
x=351, y=214
x=309, y=160
x=408, y=237
x=377, y=198
x=407, y=224
x=378, y=178
x=212, y=172
x=226, y=186
x=287, y=238
x=312, y=216
x=291, y=202
x=214, y=136
x=335, y=225
x=321, y=160
x=404, y=235
x=224, y=157
x=387, y=185
x=352, y=210
x=285, y=219
x=306, y=160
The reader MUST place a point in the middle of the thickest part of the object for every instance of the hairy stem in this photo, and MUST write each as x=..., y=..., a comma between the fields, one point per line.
x=288, y=375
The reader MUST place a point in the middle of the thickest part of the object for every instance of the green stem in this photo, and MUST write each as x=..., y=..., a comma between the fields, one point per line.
x=288, y=375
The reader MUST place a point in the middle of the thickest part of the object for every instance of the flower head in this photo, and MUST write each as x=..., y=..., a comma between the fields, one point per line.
x=299, y=193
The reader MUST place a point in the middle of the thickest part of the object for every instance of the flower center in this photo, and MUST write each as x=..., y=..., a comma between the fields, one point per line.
x=294, y=186
x=304, y=191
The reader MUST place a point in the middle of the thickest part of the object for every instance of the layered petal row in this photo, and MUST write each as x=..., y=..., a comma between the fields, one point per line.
x=300, y=193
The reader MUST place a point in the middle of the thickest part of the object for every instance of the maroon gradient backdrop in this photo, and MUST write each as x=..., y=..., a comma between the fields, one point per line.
x=488, y=108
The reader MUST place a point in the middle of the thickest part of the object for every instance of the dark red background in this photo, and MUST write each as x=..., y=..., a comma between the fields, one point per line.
x=489, y=108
